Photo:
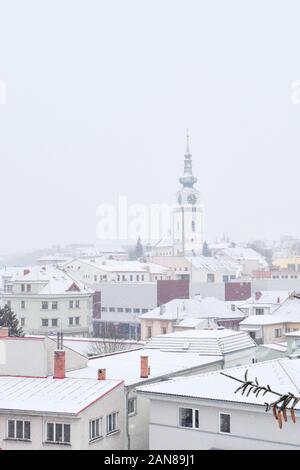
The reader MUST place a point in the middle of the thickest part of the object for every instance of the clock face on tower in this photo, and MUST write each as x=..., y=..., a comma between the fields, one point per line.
x=192, y=199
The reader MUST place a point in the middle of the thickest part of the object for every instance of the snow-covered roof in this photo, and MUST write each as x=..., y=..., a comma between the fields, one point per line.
x=266, y=299
x=239, y=253
x=88, y=346
x=287, y=312
x=193, y=323
x=283, y=375
x=204, y=342
x=58, y=396
x=52, y=280
x=208, y=307
x=261, y=320
x=126, y=365
x=215, y=265
x=116, y=266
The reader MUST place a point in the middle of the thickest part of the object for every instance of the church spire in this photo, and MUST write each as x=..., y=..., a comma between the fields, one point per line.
x=188, y=179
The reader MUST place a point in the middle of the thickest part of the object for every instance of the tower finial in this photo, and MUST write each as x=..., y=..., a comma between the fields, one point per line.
x=188, y=151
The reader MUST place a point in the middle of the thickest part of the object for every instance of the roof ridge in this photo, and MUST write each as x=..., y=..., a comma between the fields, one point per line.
x=286, y=372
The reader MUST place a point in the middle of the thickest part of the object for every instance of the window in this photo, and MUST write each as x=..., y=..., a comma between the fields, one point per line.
x=28, y=287
x=259, y=311
x=77, y=320
x=149, y=331
x=143, y=277
x=278, y=333
x=71, y=321
x=45, y=305
x=95, y=278
x=54, y=305
x=225, y=278
x=22, y=304
x=71, y=304
x=112, y=309
x=18, y=430
x=131, y=277
x=188, y=418
x=128, y=310
x=22, y=287
x=112, y=423
x=136, y=310
x=45, y=322
x=22, y=321
x=95, y=431
x=54, y=322
x=144, y=310
x=132, y=406
x=77, y=304
x=224, y=423
x=193, y=226
x=104, y=309
x=120, y=310
x=137, y=277
x=210, y=278
x=163, y=330
x=59, y=433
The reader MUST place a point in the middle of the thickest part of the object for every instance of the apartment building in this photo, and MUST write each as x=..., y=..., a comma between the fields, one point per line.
x=47, y=299
x=205, y=413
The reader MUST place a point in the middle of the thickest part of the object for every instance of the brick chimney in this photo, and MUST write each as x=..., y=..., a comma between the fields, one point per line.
x=4, y=332
x=258, y=295
x=59, y=359
x=101, y=374
x=145, y=369
x=26, y=271
x=59, y=364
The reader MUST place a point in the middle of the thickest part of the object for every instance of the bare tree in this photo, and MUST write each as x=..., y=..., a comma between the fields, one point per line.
x=109, y=343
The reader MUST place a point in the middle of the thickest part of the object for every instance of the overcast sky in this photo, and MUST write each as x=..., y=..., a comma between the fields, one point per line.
x=99, y=96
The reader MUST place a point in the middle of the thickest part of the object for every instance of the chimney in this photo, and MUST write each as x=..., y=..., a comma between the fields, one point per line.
x=278, y=300
x=145, y=369
x=26, y=271
x=258, y=295
x=59, y=359
x=101, y=374
x=4, y=332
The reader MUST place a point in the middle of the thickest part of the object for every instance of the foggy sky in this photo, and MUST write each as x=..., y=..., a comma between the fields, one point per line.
x=99, y=96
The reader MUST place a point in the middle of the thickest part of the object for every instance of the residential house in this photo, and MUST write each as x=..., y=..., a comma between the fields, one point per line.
x=167, y=317
x=205, y=413
x=46, y=300
x=265, y=329
x=247, y=258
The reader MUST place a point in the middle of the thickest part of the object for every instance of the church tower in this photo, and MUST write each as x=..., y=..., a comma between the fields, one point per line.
x=188, y=230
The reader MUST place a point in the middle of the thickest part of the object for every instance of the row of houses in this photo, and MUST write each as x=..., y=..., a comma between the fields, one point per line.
x=168, y=393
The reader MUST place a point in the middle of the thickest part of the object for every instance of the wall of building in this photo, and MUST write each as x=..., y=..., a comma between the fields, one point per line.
x=251, y=428
x=33, y=313
x=112, y=402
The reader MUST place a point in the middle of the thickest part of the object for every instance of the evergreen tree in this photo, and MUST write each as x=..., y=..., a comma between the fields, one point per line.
x=206, y=250
x=8, y=319
x=139, y=250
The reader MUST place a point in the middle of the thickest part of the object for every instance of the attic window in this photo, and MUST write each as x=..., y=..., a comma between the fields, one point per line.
x=73, y=288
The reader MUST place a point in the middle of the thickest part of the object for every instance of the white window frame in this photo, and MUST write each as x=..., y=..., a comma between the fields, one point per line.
x=109, y=433
x=134, y=412
x=193, y=417
x=55, y=442
x=92, y=439
x=223, y=432
x=15, y=438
